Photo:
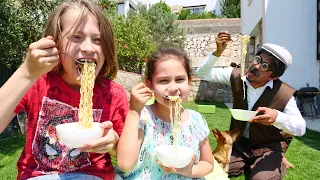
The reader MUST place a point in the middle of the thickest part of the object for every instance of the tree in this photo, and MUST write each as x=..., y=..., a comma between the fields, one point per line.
x=164, y=30
x=21, y=23
x=142, y=32
x=132, y=37
x=133, y=42
x=230, y=8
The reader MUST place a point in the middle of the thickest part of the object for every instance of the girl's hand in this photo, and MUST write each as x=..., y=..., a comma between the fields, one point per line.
x=107, y=143
x=186, y=171
x=42, y=56
x=139, y=95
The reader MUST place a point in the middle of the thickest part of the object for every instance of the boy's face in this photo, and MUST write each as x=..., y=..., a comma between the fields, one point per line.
x=84, y=44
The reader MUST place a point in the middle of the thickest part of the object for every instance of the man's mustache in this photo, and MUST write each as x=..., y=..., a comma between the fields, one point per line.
x=254, y=71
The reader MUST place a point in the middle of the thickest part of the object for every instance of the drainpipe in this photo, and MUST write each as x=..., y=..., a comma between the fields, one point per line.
x=126, y=7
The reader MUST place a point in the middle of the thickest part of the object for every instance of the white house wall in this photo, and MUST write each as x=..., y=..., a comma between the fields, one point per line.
x=210, y=4
x=250, y=15
x=293, y=24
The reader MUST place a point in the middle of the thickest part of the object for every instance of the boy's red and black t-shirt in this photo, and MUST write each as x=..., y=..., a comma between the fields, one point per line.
x=51, y=102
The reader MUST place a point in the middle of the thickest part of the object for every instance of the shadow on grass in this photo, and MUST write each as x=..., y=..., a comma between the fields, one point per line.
x=311, y=139
x=10, y=145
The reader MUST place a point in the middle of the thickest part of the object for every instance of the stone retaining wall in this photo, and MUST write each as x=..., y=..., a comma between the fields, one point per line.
x=200, y=39
x=199, y=90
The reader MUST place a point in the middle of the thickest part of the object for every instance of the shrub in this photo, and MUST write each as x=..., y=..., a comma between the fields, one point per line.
x=142, y=32
x=133, y=42
x=230, y=8
x=21, y=23
x=164, y=30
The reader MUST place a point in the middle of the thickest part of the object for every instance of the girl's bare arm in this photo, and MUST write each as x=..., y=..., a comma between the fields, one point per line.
x=130, y=142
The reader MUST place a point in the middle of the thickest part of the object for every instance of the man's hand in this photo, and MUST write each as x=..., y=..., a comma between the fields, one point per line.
x=222, y=41
x=107, y=143
x=267, y=118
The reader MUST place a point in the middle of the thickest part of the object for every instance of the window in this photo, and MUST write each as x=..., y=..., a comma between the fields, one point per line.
x=120, y=9
x=196, y=9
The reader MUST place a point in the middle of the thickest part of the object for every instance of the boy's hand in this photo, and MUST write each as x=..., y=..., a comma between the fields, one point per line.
x=42, y=56
x=139, y=95
x=222, y=41
x=107, y=143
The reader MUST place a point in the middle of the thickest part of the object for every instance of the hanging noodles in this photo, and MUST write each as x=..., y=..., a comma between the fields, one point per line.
x=86, y=92
x=175, y=116
x=244, y=44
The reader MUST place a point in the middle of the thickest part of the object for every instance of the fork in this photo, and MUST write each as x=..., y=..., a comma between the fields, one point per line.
x=167, y=97
x=67, y=55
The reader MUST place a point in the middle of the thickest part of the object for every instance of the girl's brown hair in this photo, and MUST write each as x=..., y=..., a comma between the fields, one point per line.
x=54, y=29
x=164, y=54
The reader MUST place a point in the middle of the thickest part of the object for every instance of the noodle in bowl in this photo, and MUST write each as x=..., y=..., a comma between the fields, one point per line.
x=73, y=137
x=178, y=158
x=85, y=130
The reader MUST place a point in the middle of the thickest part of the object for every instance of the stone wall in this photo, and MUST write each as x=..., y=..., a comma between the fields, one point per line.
x=199, y=90
x=200, y=39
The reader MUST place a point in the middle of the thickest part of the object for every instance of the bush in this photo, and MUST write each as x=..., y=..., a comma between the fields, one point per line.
x=142, y=32
x=230, y=8
x=133, y=42
x=21, y=23
x=164, y=30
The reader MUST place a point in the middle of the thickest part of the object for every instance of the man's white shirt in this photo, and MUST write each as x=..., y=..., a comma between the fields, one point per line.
x=290, y=120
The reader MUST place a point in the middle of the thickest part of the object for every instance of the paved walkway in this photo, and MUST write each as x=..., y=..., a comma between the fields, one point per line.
x=313, y=124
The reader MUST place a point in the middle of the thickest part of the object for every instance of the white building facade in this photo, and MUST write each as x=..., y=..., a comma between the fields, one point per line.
x=288, y=23
x=209, y=4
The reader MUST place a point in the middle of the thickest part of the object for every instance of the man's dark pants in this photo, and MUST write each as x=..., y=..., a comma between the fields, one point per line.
x=257, y=163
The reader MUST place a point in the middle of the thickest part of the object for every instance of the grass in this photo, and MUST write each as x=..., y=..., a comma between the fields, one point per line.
x=303, y=153
x=10, y=150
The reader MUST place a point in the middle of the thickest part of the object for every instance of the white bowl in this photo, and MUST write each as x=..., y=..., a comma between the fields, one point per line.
x=168, y=157
x=70, y=135
x=242, y=115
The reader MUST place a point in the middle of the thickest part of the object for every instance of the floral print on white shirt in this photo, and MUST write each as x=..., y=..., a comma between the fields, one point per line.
x=157, y=132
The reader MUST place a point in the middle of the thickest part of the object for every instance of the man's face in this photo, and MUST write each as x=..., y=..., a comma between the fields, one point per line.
x=260, y=71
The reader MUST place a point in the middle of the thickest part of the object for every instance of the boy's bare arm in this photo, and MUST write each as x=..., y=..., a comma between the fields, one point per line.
x=12, y=92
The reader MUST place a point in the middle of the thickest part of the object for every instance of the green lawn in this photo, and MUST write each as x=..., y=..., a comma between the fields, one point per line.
x=304, y=152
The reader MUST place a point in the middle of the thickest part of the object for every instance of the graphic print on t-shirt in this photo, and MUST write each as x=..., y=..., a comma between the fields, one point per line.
x=50, y=154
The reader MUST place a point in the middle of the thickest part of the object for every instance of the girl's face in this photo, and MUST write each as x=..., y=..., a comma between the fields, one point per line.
x=170, y=78
x=84, y=44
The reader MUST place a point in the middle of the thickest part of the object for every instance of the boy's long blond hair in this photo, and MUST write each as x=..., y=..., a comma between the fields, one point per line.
x=54, y=29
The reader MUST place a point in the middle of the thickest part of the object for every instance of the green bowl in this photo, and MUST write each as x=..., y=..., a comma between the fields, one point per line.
x=207, y=109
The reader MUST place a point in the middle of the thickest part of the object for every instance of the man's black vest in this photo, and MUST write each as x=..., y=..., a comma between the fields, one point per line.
x=276, y=98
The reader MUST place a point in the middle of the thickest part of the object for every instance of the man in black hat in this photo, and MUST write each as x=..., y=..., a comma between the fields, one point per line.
x=264, y=139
